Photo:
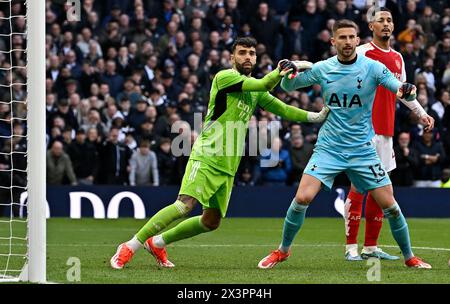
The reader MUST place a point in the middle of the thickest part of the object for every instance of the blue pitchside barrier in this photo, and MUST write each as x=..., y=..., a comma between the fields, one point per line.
x=142, y=202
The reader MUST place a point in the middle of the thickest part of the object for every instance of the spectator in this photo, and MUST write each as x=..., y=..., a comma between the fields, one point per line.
x=124, y=62
x=129, y=92
x=412, y=60
x=245, y=177
x=442, y=57
x=411, y=33
x=264, y=28
x=216, y=17
x=114, y=158
x=249, y=171
x=407, y=161
x=89, y=76
x=186, y=112
x=110, y=36
x=443, y=102
x=146, y=131
x=18, y=177
x=166, y=162
x=300, y=153
x=342, y=11
x=417, y=129
x=94, y=121
x=84, y=157
x=85, y=41
x=427, y=72
x=59, y=166
x=294, y=41
x=67, y=138
x=70, y=62
x=431, y=155
x=93, y=137
x=63, y=110
x=114, y=80
x=54, y=67
x=312, y=23
x=137, y=115
x=144, y=166
x=275, y=164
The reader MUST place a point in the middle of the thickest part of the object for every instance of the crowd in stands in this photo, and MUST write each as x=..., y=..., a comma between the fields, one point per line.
x=119, y=79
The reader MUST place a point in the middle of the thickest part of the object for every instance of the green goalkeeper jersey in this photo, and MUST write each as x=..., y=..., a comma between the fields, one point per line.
x=233, y=99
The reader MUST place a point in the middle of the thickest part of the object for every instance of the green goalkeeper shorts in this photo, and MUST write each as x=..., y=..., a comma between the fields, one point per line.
x=211, y=187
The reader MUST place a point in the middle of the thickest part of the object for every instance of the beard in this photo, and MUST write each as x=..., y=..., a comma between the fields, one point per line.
x=385, y=37
x=246, y=70
x=348, y=53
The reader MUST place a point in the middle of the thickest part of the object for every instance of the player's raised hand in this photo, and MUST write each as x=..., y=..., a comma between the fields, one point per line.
x=427, y=121
x=407, y=91
x=286, y=66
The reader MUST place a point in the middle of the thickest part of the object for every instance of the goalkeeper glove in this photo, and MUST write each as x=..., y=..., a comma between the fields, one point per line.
x=318, y=117
x=285, y=66
x=407, y=91
x=300, y=65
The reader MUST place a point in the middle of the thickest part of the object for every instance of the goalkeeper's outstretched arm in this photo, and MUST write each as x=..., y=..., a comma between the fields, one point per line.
x=264, y=84
x=231, y=82
x=277, y=107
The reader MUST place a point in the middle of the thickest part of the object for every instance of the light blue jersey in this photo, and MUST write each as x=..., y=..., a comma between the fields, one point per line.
x=349, y=91
x=344, y=143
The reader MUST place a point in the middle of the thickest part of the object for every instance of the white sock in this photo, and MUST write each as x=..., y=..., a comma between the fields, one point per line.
x=134, y=244
x=158, y=241
x=369, y=249
x=352, y=248
x=283, y=249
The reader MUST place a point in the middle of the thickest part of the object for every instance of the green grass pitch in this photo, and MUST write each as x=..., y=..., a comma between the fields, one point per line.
x=231, y=253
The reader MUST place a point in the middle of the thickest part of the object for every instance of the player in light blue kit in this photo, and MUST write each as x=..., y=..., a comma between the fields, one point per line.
x=349, y=83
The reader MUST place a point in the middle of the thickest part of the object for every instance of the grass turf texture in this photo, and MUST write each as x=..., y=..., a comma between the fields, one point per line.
x=231, y=253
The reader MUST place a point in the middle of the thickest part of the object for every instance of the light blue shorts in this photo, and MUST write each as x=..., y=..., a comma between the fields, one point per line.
x=362, y=166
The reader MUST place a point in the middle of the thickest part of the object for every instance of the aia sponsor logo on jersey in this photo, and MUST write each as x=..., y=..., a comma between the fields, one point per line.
x=345, y=101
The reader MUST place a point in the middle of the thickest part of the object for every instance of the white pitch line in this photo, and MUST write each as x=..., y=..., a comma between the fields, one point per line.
x=424, y=248
x=227, y=245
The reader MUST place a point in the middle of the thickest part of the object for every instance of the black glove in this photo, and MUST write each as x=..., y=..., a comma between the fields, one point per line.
x=408, y=92
x=287, y=64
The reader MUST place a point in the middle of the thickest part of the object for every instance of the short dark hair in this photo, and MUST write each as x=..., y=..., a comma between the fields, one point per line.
x=344, y=23
x=164, y=140
x=371, y=17
x=245, y=41
x=145, y=143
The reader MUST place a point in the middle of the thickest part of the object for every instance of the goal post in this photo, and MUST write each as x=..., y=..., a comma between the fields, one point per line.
x=36, y=142
x=22, y=141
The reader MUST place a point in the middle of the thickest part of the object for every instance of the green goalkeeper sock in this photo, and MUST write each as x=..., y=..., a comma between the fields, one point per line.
x=186, y=229
x=161, y=220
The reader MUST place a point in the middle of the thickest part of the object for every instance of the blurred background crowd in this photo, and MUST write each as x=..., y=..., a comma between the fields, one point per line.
x=122, y=76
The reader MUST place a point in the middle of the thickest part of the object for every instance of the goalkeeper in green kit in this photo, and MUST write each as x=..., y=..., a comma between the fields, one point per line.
x=215, y=156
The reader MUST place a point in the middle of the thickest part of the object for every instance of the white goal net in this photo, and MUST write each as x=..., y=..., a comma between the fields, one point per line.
x=19, y=97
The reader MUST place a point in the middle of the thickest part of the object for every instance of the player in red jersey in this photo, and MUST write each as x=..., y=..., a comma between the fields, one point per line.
x=383, y=115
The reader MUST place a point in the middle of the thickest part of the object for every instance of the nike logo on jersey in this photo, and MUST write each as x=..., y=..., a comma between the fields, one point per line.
x=328, y=81
x=379, y=180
